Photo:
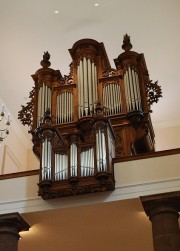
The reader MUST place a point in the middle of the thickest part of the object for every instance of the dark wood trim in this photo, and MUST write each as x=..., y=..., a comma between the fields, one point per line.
x=147, y=155
x=19, y=174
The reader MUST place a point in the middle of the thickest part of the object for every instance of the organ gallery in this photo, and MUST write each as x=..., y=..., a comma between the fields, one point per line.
x=81, y=121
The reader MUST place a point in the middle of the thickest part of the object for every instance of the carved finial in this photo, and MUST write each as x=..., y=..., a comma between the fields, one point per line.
x=100, y=110
x=45, y=62
x=127, y=46
x=47, y=116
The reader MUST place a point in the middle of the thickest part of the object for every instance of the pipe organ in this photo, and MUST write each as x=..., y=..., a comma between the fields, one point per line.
x=81, y=121
x=112, y=98
x=64, y=113
x=73, y=159
x=61, y=166
x=132, y=90
x=44, y=102
x=87, y=162
x=87, y=91
x=46, y=159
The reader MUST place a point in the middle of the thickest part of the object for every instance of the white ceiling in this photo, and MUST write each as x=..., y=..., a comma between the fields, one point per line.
x=28, y=28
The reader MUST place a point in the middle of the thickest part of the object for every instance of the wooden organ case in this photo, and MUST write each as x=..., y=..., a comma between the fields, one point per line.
x=81, y=121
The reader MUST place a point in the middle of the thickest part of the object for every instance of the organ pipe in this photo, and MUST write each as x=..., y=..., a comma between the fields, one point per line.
x=87, y=162
x=112, y=99
x=101, y=151
x=46, y=159
x=87, y=87
x=61, y=166
x=64, y=108
x=90, y=86
x=44, y=102
x=132, y=90
x=73, y=159
x=81, y=89
x=111, y=147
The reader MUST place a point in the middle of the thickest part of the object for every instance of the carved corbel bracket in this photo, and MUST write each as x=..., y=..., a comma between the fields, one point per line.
x=135, y=117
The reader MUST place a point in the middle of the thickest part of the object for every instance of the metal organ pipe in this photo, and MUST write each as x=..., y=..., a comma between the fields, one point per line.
x=111, y=147
x=91, y=161
x=46, y=97
x=61, y=166
x=104, y=164
x=46, y=159
x=86, y=101
x=138, y=91
x=97, y=151
x=87, y=162
x=87, y=87
x=90, y=86
x=112, y=99
x=64, y=108
x=128, y=92
x=81, y=89
x=39, y=107
x=44, y=102
x=132, y=90
x=95, y=83
x=101, y=151
x=118, y=99
x=73, y=159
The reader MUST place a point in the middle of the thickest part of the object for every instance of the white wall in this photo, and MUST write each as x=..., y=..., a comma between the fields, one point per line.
x=16, y=150
x=13, y=154
x=32, y=161
x=167, y=137
x=147, y=170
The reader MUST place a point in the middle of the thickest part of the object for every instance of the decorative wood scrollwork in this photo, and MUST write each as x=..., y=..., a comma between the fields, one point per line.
x=67, y=79
x=87, y=55
x=109, y=72
x=26, y=113
x=153, y=91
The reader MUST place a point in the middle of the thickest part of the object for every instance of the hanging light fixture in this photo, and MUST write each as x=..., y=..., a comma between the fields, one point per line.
x=4, y=123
